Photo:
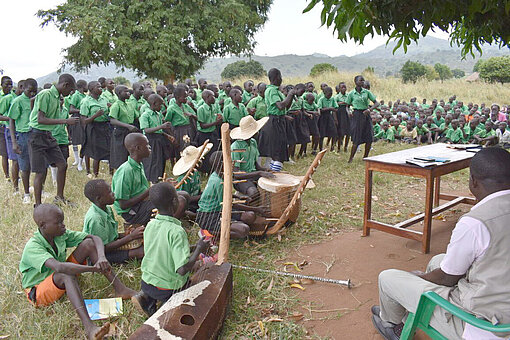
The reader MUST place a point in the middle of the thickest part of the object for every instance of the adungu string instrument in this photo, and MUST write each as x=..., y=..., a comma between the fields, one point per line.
x=195, y=165
x=198, y=312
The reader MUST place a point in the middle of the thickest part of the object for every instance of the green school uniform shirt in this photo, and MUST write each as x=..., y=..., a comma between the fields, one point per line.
x=314, y=96
x=128, y=181
x=20, y=112
x=37, y=251
x=484, y=133
x=360, y=100
x=259, y=104
x=341, y=98
x=109, y=96
x=469, y=133
x=396, y=130
x=227, y=101
x=438, y=108
x=431, y=127
x=454, y=136
x=388, y=135
x=66, y=105
x=47, y=101
x=151, y=119
x=59, y=131
x=136, y=104
x=198, y=92
x=421, y=131
x=319, y=96
x=101, y=223
x=443, y=126
x=272, y=96
x=5, y=105
x=326, y=103
x=310, y=107
x=123, y=112
x=297, y=104
x=248, y=157
x=246, y=97
x=232, y=114
x=376, y=128
x=144, y=107
x=166, y=248
x=425, y=106
x=205, y=115
x=192, y=185
x=211, y=198
x=76, y=99
x=439, y=121
x=175, y=114
x=222, y=95
x=89, y=106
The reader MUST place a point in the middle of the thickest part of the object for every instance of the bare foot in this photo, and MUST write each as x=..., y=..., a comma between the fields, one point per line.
x=98, y=333
x=350, y=161
x=125, y=293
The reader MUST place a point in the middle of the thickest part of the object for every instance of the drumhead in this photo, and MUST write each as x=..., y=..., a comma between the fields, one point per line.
x=279, y=182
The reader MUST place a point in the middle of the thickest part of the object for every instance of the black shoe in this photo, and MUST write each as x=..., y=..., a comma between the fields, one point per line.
x=144, y=303
x=388, y=330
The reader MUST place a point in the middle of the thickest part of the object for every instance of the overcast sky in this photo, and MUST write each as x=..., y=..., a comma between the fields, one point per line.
x=31, y=51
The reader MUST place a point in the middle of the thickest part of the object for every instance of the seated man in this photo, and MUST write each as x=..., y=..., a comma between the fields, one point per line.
x=474, y=272
x=245, y=154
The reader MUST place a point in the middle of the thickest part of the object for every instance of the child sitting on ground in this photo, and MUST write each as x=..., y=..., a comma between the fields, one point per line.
x=47, y=275
x=386, y=133
x=408, y=134
x=423, y=135
x=167, y=261
x=503, y=135
x=487, y=136
x=454, y=134
x=101, y=222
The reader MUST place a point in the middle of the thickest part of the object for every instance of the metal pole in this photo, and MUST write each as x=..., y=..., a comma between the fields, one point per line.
x=298, y=276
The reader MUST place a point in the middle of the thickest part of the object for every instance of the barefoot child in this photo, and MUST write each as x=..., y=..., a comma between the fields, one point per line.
x=312, y=111
x=167, y=261
x=207, y=120
x=101, y=222
x=47, y=275
x=343, y=119
x=19, y=115
x=6, y=91
x=257, y=105
x=179, y=113
x=76, y=131
x=327, y=120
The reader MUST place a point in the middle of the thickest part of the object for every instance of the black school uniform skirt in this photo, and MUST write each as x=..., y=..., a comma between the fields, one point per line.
x=76, y=132
x=118, y=152
x=301, y=127
x=313, y=126
x=273, y=139
x=154, y=165
x=327, y=126
x=97, y=140
x=291, y=131
x=344, y=121
x=361, y=128
x=179, y=133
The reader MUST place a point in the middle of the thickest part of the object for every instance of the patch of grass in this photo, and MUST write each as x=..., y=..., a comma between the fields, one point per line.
x=335, y=205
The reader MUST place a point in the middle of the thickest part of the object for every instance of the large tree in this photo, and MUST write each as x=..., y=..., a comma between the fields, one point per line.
x=411, y=71
x=496, y=69
x=470, y=23
x=162, y=39
x=242, y=68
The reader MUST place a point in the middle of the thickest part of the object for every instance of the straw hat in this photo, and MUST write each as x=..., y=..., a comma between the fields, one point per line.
x=248, y=126
x=189, y=155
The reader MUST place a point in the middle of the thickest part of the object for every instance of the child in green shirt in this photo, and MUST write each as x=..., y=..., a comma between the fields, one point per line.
x=487, y=136
x=167, y=261
x=101, y=222
x=179, y=114
x=327, y=120
x=248, y=91
x=386, y=134
x=423, y=135
x=257, y=105
x=76, y=131
x=47, y=273
x=234, y=111
x=455, y=134
x=208, y=119
x=311, y=111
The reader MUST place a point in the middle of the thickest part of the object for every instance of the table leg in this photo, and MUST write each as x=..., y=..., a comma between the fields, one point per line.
x=368, y=201
x=427, y=222
x=437, y=191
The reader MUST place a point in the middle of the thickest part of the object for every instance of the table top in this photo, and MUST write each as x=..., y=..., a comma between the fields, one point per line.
x=433, y=150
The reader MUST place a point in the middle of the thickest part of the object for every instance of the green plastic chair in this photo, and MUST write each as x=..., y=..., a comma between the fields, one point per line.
x=420, y=319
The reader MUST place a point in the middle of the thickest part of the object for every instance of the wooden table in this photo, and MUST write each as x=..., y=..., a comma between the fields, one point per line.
x=395, y=163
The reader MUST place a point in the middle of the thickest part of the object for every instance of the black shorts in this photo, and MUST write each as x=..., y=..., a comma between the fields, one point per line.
x=211, y=221
x=159, y=294
x=43, y=150
x=140, y=213
x=3, y=142
x=117, y=256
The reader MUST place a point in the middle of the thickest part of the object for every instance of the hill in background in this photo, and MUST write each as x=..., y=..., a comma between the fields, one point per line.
x=429, y=50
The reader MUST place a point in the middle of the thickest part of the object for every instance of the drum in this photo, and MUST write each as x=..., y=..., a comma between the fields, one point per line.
x=128, y=228
x=276, y=193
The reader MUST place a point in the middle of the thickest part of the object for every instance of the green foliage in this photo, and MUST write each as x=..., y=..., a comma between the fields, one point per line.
x=121, y=81
x=496, y=69
x=443, y=71
x=470, y=23
x=160, y=39
x=479, y=63
x=431, y=73
x=322, y=68
x=458, y=73
x=242, y=68
x=369, y=69
x=411, y=71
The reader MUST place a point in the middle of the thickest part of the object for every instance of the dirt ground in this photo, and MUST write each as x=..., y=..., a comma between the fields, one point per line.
x=333, y=311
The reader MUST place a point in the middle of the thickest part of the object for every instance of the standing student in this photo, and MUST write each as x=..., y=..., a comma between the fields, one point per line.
x=273, y=136
x=342, y=118
x=179, y=114
x=327, y=120
x=257, y=105
x=42, y=146
x=361, y=123
x=6, y=83
x=108, y=92
x=5, y=104
x=136, y=100
x=248, y=91
x=235, y=110
x=76, y=131
x=224, y=94
x=122, y=118
x=94, y=112
x=312, y=110
x=152, y=125
x=19, y=115
x=299, y=123
x=208, y=120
